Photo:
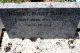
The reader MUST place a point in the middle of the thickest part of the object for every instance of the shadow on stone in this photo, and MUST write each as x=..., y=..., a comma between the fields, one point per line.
x=2, y=33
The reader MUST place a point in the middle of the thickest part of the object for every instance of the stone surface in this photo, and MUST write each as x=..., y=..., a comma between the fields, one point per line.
x=41, y=5
x=40, y=45
x=45, y=23
x=17, y=45
x=1, y=26
x=78, y=25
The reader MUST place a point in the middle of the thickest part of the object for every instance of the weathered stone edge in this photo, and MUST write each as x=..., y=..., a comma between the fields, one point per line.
x=41, y=5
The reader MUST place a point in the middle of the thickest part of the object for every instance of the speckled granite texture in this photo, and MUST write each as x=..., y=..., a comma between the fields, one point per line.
x=47, y=23
x=39, y=45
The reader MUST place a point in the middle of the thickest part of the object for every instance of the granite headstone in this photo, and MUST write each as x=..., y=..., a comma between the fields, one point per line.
x=47, y=23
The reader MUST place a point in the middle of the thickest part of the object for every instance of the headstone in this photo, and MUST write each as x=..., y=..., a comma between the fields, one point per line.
x=46, y=23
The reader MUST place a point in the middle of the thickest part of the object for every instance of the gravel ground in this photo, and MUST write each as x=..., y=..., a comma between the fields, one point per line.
x=39, y=45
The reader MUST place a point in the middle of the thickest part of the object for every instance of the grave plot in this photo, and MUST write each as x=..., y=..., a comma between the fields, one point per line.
x=40, y=30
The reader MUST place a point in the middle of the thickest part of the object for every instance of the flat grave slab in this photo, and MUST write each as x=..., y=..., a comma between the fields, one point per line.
x=46, y=23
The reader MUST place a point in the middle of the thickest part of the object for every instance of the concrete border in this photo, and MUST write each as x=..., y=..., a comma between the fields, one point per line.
x=41, y=5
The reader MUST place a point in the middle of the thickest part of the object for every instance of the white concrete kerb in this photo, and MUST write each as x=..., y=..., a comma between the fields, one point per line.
x=41, y=5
